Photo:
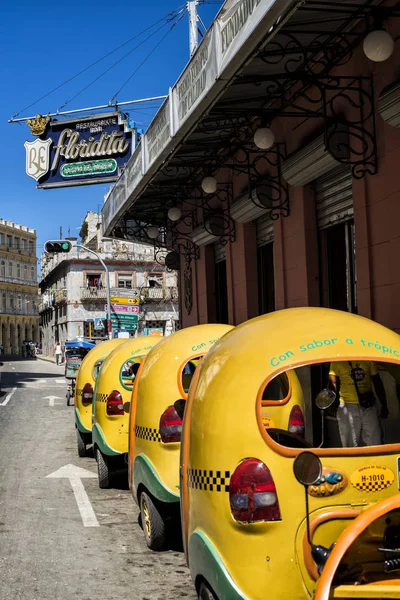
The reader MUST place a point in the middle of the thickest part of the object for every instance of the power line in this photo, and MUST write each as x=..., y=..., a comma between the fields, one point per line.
x=119, y=61
x=146, y=58
x=170, y=14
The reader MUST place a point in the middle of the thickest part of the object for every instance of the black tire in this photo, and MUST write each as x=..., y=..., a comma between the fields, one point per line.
x=205, y=593
x=80, y=438
x=103, y=470
x=154, y=527
x=69, y=396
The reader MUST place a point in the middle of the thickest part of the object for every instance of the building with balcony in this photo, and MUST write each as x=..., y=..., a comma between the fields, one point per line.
x=73, y=288
x=19, y=318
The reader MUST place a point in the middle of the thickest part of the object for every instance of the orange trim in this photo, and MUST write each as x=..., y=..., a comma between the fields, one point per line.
x=180, y=386
x=281, y=402
x=131, y=430
x=293, y=452
x=185, y=448
x=329, y=515
x=349, y=535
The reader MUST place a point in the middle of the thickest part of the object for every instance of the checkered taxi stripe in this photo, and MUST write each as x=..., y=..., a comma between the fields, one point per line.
x=101, y=397
x=212, y=481
x=372, y=486
x=78, y=392
x=147, y=433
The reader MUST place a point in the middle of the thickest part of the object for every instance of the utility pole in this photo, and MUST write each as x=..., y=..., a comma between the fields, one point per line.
x=191, y=6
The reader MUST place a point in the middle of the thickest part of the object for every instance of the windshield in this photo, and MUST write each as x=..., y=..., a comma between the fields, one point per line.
x=97, y=367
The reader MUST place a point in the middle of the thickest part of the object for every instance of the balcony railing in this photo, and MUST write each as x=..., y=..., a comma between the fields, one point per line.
x=93, y=293
x=159, y=293
x=18, y=311
x=60, y=296
x=17, y=280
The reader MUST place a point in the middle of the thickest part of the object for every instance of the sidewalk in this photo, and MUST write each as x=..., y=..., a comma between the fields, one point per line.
x=47, y=358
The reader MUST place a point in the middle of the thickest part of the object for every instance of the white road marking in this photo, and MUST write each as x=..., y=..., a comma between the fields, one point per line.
x=8, y=397
x=51, y=399
x=75, y=475
x=61, y=381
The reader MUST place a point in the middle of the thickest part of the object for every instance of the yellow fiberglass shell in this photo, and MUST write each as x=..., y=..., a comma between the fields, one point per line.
x=223, y=426
x=154, y=464
x=83, y=411
x=110, y=432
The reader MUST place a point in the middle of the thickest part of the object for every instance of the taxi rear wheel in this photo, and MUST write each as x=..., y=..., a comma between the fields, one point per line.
x=205, y=593
x=69, y=396
x=81, y=443
x=153, y=523
x=103, y=471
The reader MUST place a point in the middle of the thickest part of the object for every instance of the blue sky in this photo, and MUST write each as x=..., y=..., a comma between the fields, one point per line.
x=45, y=43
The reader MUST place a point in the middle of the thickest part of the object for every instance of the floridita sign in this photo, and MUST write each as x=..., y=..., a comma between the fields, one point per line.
x=72, y=152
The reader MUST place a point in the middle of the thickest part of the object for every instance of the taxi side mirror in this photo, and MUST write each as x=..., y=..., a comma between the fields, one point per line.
x=127, y=407
x=179, y=406
x=325, y=399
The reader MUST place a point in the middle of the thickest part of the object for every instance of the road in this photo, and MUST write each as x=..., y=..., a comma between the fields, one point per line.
x=45, y=551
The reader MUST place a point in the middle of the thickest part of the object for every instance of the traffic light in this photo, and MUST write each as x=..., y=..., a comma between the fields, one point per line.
x=53, y=246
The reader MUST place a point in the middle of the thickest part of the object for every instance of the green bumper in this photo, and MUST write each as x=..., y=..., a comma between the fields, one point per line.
x=99, y=440
x=79, y=424
x=145, y=474
x=205, y=562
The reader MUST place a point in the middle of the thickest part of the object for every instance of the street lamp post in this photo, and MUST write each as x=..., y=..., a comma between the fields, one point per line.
x=109, y=325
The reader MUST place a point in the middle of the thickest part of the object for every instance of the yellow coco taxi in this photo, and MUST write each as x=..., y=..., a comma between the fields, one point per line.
x=243, y=506
x=155, y=427
x=113, y=392
x=85, y=382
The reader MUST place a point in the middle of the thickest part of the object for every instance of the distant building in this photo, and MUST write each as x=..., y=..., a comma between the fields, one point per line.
x=19, y=318
x=73, y=287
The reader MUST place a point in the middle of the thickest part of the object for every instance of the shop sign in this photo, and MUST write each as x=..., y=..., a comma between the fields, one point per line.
x=157, y=136
x=234, y=25
x=196, y=80
x=78, y=151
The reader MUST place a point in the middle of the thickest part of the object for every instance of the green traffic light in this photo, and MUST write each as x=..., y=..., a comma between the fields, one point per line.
x=65, y=246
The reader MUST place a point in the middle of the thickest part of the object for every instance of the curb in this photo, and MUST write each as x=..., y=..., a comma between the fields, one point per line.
x=47, y=359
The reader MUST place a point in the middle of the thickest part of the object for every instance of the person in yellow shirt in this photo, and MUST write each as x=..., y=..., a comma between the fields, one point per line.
x=357, y=414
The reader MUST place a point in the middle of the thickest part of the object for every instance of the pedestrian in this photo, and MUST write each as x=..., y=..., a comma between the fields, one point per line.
x=357, y=413
x=58, y=353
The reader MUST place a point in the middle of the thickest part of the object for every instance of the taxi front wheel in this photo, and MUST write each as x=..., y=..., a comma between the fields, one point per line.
x=205, y=593
x=153, y=523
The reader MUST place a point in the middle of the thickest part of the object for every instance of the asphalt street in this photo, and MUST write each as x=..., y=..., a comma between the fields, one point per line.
x=46, y=553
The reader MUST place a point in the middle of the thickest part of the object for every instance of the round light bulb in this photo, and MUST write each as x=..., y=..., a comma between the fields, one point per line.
x=152, y=232
x=378, y=45
x=264, y=138
x=209, y=185
x=174, y=213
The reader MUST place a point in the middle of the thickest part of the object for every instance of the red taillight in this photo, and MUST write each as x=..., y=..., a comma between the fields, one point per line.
x=87, y=394
x=170, y=426
x=296, y=421
x=115, y=404
x=252, y=493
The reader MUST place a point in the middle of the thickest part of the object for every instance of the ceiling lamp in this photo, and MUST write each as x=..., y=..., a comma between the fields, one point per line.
x=378, y=45
x=174, y=213
x=264, y=138
x=209, y=185
x=152, y=232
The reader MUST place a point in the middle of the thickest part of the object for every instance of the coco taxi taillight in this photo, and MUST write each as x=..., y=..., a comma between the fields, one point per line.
x=115, y=404
x=296, y=421
x=252, y=493
x=87, y=394
x=170, y=426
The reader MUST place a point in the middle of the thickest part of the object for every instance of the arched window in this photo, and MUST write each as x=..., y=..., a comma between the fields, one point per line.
x=19, y=302
x=3, y=268
x=25, y=272
x=4, y=302
x=18, y=271
x=33, y=273
x=10, y=269
x=26, y=307
x=11, y=302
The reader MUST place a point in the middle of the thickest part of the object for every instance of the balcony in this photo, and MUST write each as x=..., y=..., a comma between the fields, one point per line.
x=60, y=296
x=18, y=281
x=157, y=294
x=93, y=294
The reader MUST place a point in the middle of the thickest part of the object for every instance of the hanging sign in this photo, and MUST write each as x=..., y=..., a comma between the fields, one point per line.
x=78, y=151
